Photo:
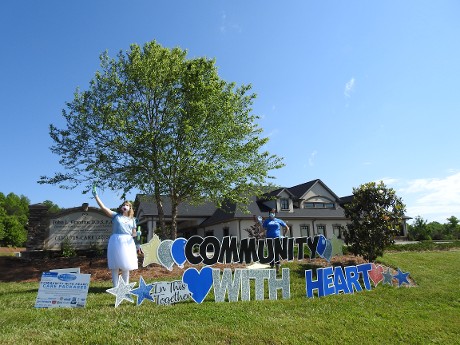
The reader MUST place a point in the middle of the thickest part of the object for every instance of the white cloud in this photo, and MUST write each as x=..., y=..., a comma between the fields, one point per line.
x=311, y=159
x=226, y=26
x=434, y=199
x=349, y=87
x=388, y=181
x=223, y=20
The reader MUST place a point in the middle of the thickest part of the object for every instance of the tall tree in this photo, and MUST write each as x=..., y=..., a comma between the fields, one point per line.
x=14, y=215
x=419, y=230
x=452, y=228
x=155, y=121
x=375, y=214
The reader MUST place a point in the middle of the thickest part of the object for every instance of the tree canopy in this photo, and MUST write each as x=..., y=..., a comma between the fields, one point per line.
x=375, y=214
x=422, y=230
x=154, y=121
x=14, y=215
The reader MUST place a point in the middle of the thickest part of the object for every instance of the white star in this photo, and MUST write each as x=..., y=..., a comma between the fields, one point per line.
x=122, y=291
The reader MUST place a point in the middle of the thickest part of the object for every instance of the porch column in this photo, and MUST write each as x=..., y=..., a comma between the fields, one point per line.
x=151, y=226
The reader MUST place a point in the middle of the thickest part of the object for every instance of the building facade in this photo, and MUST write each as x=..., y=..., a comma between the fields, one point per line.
x=309, y=209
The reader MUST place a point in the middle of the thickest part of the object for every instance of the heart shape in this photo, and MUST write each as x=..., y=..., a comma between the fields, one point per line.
x=321, y=246
x=199, y=283
x=376, y=274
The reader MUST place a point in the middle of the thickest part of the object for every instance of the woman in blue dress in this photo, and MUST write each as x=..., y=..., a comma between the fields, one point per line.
x=121, y=250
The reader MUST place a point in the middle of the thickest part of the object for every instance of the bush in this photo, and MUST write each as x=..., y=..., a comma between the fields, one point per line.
x=68, y=251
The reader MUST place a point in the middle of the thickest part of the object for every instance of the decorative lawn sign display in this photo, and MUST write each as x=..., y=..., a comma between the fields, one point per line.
x=209, y=250
x=236, y=285
x=162, y=293
x=62, y=289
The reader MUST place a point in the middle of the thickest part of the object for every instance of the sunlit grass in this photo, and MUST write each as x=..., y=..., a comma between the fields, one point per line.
x=427, y=313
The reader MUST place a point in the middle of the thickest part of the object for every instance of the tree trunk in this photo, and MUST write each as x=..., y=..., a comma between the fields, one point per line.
x=161, y=214
x=174, y=208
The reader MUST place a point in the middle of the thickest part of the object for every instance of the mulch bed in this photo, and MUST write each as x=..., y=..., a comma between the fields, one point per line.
x=22, y=269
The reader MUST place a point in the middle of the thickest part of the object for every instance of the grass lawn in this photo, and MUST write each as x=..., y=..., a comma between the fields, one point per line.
x=427, y=313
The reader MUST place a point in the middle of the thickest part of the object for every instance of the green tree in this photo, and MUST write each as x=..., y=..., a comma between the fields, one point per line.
x=155, y=121
x=14, y=215
x=375, y=214
x=2, y=225
x=419, y=230
x=452, y=228
x=52, y=207
x=436, y=230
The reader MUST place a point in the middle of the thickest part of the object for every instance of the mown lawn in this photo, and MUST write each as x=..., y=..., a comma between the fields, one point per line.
x=427, y=313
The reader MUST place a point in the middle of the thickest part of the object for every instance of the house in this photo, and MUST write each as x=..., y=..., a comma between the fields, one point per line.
x=309, y=209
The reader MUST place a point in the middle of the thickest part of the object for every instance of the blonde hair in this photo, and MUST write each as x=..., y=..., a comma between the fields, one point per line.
x=131, y=208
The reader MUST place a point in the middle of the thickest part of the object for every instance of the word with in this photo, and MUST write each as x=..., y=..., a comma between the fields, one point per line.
x=236, y=285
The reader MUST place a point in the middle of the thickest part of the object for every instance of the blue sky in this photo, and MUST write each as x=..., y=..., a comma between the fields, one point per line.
x=348, y=91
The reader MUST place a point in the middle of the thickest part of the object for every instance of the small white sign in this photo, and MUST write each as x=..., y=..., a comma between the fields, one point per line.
x=62, y=290
x=172, y=292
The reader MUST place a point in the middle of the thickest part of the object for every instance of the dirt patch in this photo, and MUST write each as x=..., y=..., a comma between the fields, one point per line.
x=20, y=269
x=23, y=269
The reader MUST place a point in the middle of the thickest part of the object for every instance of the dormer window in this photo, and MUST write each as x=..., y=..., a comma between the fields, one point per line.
x=318, y=205
x=284, y=204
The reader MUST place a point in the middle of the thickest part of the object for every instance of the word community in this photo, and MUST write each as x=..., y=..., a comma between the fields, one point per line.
x=212, y=251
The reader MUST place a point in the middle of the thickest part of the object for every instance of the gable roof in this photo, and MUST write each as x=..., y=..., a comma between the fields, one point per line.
x=301, y=189
x=277, y=192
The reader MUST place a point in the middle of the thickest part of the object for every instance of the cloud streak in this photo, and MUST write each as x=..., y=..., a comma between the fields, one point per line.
x=349, y=88
x=434, y=199
x=226, y=26
x=311, y=159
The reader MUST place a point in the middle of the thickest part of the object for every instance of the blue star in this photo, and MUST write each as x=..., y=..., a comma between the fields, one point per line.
x=387, y=277
x=143, y=291
x=401, y=277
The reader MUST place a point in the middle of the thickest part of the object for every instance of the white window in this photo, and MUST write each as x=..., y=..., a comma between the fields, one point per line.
x=337, y=230
x=321, y=230
x=304, y=231
x=284, y=203
x=318, y=205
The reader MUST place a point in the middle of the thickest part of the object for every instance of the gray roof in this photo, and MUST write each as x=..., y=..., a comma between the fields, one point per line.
x=230, y=211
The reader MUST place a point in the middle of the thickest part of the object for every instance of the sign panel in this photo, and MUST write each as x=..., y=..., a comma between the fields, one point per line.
x=62, y=290
x=82, y=230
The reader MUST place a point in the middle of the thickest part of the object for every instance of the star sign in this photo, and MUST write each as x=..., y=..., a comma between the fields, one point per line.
x=150, y=251
x=387, y=277
x=122, y=291
x=401, y=277
x=143, y=291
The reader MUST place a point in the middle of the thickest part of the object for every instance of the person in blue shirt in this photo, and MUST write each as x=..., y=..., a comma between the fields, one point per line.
x=272, y=227
x=121, y=249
